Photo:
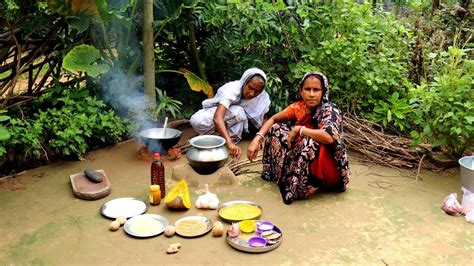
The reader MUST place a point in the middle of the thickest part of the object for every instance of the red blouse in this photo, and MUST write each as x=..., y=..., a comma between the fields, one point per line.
x=295, y=111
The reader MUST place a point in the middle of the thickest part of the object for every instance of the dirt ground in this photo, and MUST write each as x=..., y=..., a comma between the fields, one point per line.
x=385, y=217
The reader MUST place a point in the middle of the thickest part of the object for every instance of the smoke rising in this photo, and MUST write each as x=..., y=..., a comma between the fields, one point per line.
x=125, y=94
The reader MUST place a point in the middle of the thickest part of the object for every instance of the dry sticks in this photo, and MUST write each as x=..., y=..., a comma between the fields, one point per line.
x=238, y=167
x=382, y=148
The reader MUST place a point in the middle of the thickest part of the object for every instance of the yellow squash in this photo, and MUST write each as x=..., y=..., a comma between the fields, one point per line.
x=178, y=197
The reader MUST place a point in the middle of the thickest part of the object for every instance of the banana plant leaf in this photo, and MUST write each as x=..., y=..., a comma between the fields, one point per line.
x=75, y=7
x=196, y=83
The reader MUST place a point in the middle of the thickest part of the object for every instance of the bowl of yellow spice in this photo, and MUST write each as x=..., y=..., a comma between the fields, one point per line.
x=239, y=210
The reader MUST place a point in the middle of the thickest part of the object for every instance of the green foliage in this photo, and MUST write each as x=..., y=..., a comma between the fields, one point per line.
x=168, y=10
x=82, y=58
x=10, y=8
x=243, y=34
x=110, y=27
x=275, y=88
x=4, y=133
x=167, y=105
x=67, y=124
x=395, y=110
x=28, y=140
x=364, y=55
x=369, y=57
x=447, y=103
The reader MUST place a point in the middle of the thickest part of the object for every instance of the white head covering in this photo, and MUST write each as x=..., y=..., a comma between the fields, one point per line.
x=232, y=91
x=254, y=108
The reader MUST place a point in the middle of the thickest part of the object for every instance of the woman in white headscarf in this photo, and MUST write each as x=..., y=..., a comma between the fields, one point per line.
x=235, y=104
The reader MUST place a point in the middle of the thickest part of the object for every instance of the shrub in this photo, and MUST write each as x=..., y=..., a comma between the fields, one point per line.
x=447, y=103
x=65, y=124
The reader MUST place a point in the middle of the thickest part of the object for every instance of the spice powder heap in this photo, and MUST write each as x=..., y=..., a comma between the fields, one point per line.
x=240, y=212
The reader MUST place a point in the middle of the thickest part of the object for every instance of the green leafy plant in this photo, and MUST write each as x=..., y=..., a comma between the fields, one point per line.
x=395, y=111
x=4, y=133
x=447, y=103
x=67, y=123
x=82, y=58
x=167, y=104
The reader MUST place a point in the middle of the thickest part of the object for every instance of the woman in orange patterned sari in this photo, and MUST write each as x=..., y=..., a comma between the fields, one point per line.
x=309, y=155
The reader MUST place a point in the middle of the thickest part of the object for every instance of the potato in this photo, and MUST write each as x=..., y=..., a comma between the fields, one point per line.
x=218, y=229
x=121, y=219
x=114, y=226
x=169, y=231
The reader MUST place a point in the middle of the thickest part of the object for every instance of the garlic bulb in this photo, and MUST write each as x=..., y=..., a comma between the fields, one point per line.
x=213, y=205
x=208, y=200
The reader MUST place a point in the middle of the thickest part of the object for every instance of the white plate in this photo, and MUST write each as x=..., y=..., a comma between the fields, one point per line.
x=193, y=218
x=127, y=207
x=157, y=225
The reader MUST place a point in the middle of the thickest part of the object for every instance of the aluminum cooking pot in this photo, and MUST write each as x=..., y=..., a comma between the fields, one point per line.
x=157, y=141
x=207, y=153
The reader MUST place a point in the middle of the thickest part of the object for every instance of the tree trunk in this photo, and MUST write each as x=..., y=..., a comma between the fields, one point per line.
x=148, y=52
x=192, y=39
x=435, y=4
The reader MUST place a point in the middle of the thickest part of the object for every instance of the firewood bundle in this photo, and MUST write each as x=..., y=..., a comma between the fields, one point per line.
x=377, y=146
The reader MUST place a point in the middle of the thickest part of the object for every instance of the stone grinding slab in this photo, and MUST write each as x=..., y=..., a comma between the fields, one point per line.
x=83, y=188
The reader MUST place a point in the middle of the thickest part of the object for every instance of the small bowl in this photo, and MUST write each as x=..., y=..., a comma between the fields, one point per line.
x=247, y=226
x=263, y=226
x=257, y=242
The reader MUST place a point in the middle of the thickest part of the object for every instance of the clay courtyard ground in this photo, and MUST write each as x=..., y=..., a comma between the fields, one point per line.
x=385, y=217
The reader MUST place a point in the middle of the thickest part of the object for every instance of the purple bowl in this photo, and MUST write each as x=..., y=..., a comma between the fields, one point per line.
x=257, y=242
x=263, y=226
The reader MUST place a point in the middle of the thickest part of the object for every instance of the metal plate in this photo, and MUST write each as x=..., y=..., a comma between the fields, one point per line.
x=235, y=202
x=241, y=242
x=127, y=207
x=155, y=225
x=191, y=219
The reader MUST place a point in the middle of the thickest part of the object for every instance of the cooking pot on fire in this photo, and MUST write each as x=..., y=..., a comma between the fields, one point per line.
x=158, y=141
x=207, y=153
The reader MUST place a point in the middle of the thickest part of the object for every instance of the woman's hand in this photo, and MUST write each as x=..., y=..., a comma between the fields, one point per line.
x=293, y=133
x=254, y=147
x=234, y=150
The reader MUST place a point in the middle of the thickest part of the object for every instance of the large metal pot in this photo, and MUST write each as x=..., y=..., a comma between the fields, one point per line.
x=467, y=172
x=207, y=153
x=157, y=141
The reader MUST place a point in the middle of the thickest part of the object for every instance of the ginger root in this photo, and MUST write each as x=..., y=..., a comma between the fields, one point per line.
x=173, y=248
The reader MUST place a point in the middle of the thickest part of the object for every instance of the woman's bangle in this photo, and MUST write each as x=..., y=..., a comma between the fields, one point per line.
x=301, y=131
x=260, y=134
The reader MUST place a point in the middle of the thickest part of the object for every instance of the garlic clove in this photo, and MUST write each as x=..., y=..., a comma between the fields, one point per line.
x=204, y=205
x=198, y=204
